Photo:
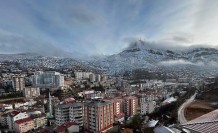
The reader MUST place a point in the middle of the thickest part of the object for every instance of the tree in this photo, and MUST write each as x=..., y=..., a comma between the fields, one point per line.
x=136, y=121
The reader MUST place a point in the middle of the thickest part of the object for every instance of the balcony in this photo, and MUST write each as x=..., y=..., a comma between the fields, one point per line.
x=75, y=109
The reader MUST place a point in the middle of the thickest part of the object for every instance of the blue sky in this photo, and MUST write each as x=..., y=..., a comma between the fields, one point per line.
x=104, y=26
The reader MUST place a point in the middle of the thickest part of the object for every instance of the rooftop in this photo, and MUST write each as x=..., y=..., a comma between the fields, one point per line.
x=209, y=117
x=98, y=103
x=23, y=120
x=162, y=129
x=130, y=97
x=68, y=105
x=14, y=113
x=207, y=123
x=64, y=126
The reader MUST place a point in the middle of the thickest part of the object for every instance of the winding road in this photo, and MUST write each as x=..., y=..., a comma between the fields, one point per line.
x=181, y=111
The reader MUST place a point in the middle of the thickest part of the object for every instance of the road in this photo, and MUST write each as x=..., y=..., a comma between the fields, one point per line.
x=181, y=111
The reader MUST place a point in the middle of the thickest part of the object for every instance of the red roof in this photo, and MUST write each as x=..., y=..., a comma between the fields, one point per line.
x=23, y=120
x=70, y=99
x=14, y=113
x=62, y=127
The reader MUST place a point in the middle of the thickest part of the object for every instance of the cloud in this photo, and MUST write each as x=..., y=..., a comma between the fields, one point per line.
x=12, y=43
x=175, y=62
x=106, y=27
x=180, y=62
x=160, y=44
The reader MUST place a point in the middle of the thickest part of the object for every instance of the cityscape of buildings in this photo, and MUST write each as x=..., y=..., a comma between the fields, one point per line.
x=108, y=66
x=84, y=101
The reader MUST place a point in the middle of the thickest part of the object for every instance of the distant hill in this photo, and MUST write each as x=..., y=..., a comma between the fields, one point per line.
x=139, y=55
x=142, y=55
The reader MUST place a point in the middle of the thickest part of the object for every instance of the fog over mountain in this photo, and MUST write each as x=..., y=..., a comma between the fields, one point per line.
x=138, y=55
x=152, y=56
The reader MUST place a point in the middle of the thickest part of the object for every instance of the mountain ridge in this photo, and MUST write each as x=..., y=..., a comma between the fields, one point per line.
x=143, y=55
x=139, y=55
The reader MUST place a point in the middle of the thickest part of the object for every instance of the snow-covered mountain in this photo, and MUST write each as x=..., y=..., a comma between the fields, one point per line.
x=143, y=55
x=27, y=60
x=139, y=55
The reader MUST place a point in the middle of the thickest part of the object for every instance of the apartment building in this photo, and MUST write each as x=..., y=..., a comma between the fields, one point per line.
x=118, y=109
x=62, y=114
x=69, y=112
x=14, y=116
x=98, y=78
x=98, y=116
x=48, y=79
x=18, y=83
x=76, y=113
x=30, y=92
x=92, y=77
x=82, y=75
x=147, y=107
x=23, y=125
x=130, y=106
x=39, y=119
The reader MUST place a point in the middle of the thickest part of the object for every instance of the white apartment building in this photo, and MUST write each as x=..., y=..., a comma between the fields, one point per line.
x=69, y=112
x=18, y=83
x=82, y=75
x=62, y=114
x=76, y=113
x=147, y=107
x=39, y=119
x=48, y=79
x=31, y=92
x=92, y=77
x=104, y=77
x=98, y=78
x=14, y=116
x=98, y=116
x=147, y=97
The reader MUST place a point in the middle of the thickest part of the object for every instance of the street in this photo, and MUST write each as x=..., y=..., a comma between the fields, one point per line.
x=181, y=115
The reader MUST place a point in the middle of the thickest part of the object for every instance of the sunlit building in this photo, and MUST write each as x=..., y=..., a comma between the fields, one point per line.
x=98, y=116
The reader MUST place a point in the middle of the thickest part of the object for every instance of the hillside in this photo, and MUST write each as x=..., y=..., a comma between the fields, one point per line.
x=139, y=55
x=142, y=55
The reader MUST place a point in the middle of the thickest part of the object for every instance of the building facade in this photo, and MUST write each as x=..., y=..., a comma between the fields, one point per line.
x=48, y=79
x=69, y=112
x=62, y=114
x=18, y=83
x=98, y=78
x=118, y=109
x=98, y=116
x=92, y=77
x=39, y=119
x=147, y=107
x=31, y=92
x=14, y=116
x=82, y=75
x=24, y=125
x=76, y=113
x=130, y=106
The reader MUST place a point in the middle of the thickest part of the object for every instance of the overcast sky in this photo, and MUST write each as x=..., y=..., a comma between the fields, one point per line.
x=104, y=26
